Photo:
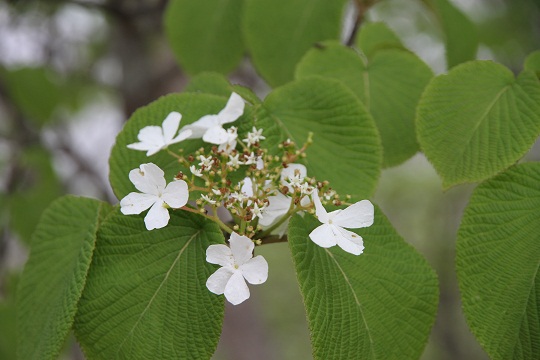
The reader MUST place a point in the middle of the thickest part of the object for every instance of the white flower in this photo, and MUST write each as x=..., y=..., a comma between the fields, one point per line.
x=206, y=162
x=230, y=143
x=332, y=232
x=210, y=127
x=208, y=199
x=250, y=159
x=257, y=211
x=234, y=161
x=254, y=137
x=195, y=171
x=237, y=264
x=155, y=138
x=293, y=175
x=150, y=181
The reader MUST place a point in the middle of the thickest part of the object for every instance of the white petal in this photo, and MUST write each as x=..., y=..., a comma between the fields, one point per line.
x=200, y=126
x=320, y=211
x=305, y=201
x=142, y=146
x=216, y=135
x=148, y=179
x=136, y=203
x=184, y=134
x=350, y=242
x=219, y=254
x=278, y=206
x=236, y=290
x=255, y=270
x=259, y=164
x=157, y=217
x=232, y=110
x=323, y=236
x=217, y=281
x=170, y=126
x=358, y=215
x=176, y=194
x=291, y=170
x=247, y=188
x=241, y=247
x=151, y=135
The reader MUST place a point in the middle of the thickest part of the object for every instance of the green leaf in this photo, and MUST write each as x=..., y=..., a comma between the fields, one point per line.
x=498, y=256
x=8, y=339
x=205, y=35
x=377, y=36
x=461, y=35
x=279, y=32
x=217, y=84
x=55, y=275
x=346, y=148
x=192, y=106
x=389, y=85
x=146, y=296
x=379, y=305
x=36, y=188
x=478, y=120
x=532, y=62
x=39, y=92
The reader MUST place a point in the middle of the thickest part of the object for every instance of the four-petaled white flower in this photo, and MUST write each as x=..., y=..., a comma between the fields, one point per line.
x=332, y=232
x=156, y=194
x=237, y=264
x=152, y=139
x=210, y=127
x=254, y=137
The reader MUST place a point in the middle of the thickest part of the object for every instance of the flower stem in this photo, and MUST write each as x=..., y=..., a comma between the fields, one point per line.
x=214, y=218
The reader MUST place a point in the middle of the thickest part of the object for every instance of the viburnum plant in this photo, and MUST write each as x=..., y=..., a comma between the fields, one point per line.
x=273, y=190
x=208, y=176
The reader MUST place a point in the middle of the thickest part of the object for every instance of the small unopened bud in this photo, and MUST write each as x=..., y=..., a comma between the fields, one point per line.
x=236, y=227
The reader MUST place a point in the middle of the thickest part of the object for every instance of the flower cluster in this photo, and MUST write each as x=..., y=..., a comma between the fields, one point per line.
x=261, y=191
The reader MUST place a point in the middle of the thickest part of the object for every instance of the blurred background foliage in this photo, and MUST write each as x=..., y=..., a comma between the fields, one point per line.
x=71, y=72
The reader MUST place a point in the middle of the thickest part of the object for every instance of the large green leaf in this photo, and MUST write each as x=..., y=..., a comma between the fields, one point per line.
x=192, y=106
x=478, y=120
x=146, y=296
x=389, y=85
x=379, y=305
x=532, y=62
x=278, y=32
x=346, y=148
x=55, y=275
x=37, y=186
x=39, y=92
x=498, y=256
x=460, y=34
x=205, y=35
x=217, y=84
x=376, y=36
